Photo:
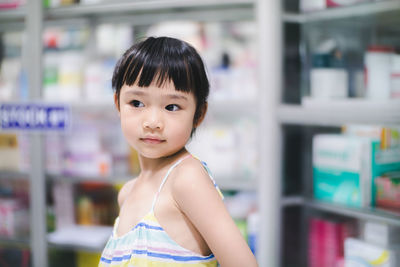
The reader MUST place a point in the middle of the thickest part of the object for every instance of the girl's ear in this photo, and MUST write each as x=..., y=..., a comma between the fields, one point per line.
x=116, y=102
x=202, y=115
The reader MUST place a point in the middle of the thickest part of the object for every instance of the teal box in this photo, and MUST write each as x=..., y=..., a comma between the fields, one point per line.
x=382, y=161
x=344, y=168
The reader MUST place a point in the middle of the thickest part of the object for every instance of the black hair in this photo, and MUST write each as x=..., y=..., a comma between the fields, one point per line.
x=164, y=59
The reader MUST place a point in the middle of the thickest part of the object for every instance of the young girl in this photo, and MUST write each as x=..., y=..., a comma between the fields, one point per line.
x=172, y=214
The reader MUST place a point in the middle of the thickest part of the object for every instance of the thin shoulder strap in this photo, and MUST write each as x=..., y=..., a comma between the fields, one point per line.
x=211, y=176
x=165, y=179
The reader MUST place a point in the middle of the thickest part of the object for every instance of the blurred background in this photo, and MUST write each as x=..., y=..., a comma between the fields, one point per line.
x=302, y=133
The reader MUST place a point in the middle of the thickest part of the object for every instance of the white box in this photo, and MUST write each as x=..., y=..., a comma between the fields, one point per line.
x=329, y=83
x=381, y=234
x=359, y=253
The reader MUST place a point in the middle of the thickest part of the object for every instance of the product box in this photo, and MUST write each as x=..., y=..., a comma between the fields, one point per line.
x=359, y=253
x=87, y=259
x=326, y=241
x=345, y=166
x=14, y=219
x=388, y=191
x=381, y=233
x=9, y=152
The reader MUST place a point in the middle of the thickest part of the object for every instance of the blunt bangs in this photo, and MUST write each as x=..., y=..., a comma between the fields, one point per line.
x=161, y=60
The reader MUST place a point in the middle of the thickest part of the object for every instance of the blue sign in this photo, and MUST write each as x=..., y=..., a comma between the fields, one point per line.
x=34, y=116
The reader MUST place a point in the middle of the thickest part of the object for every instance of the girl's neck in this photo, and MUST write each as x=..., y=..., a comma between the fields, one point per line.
x=150, y=166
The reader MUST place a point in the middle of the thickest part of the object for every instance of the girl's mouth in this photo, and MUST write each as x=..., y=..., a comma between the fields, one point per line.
x=150, y=140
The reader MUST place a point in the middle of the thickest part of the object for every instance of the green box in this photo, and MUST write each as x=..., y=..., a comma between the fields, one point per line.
x=345, y=166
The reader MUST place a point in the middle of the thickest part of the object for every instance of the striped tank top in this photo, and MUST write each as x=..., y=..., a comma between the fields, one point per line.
x=147, y=244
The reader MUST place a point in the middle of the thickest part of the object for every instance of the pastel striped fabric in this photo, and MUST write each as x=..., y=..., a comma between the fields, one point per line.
x=148, y=245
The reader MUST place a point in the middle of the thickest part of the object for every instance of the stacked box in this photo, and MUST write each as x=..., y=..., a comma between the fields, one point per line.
x=345, y=167
x=326, y=239
x=359, y=253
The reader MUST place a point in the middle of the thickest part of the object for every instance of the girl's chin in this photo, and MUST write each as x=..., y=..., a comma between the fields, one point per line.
x=151, y=154
x=154, y=155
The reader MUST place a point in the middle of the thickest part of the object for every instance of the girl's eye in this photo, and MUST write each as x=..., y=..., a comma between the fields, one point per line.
x=172, y=107
x=137, y=104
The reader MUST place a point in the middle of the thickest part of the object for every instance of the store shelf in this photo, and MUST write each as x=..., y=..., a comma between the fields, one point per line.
x=81, y=179
x=14, y=175
x=348, y=12
x=10, y=15
x=341, y=113
x=236, y=184
x=228, y=108
x=110, y=8
x=100, y=110
x=359, y=213
x=12, y=19
x=14, y=242
x=67, y=247
x=80, y=237
x=290, y=201
x=374, y=214
x=223, y=183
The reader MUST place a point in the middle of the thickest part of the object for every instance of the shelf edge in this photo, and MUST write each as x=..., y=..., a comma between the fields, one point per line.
x=357, y=10
x=338, y=116
x=354, y=212
x=136, y=6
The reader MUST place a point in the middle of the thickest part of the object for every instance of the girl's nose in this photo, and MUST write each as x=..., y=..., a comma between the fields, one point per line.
x=153, y=121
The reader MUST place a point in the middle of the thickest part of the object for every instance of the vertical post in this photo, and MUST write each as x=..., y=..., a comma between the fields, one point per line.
x=268, y=15
x=33, y=49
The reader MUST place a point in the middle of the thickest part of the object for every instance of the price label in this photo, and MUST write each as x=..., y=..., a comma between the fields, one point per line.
x=34, y=117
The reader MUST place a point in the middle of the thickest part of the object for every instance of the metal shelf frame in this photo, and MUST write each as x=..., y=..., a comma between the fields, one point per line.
x=38, y=222
x=270, y=40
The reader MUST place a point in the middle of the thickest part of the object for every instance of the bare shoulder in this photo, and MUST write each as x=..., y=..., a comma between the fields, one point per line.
x=192, y=173
x=196, y=196
x=124, y=192
x=191, y=180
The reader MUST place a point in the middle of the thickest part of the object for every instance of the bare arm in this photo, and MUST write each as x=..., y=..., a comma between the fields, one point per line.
x=197, y=197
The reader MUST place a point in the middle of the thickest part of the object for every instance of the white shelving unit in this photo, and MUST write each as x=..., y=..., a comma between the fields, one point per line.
x=335, y=114
x=273, y=115
x=136, y=13
x=269, y=20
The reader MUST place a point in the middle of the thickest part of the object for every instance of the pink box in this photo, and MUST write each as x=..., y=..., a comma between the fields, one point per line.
x=14, y=219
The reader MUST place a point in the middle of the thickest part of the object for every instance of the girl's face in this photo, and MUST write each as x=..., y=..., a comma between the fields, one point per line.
x=157, y=122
